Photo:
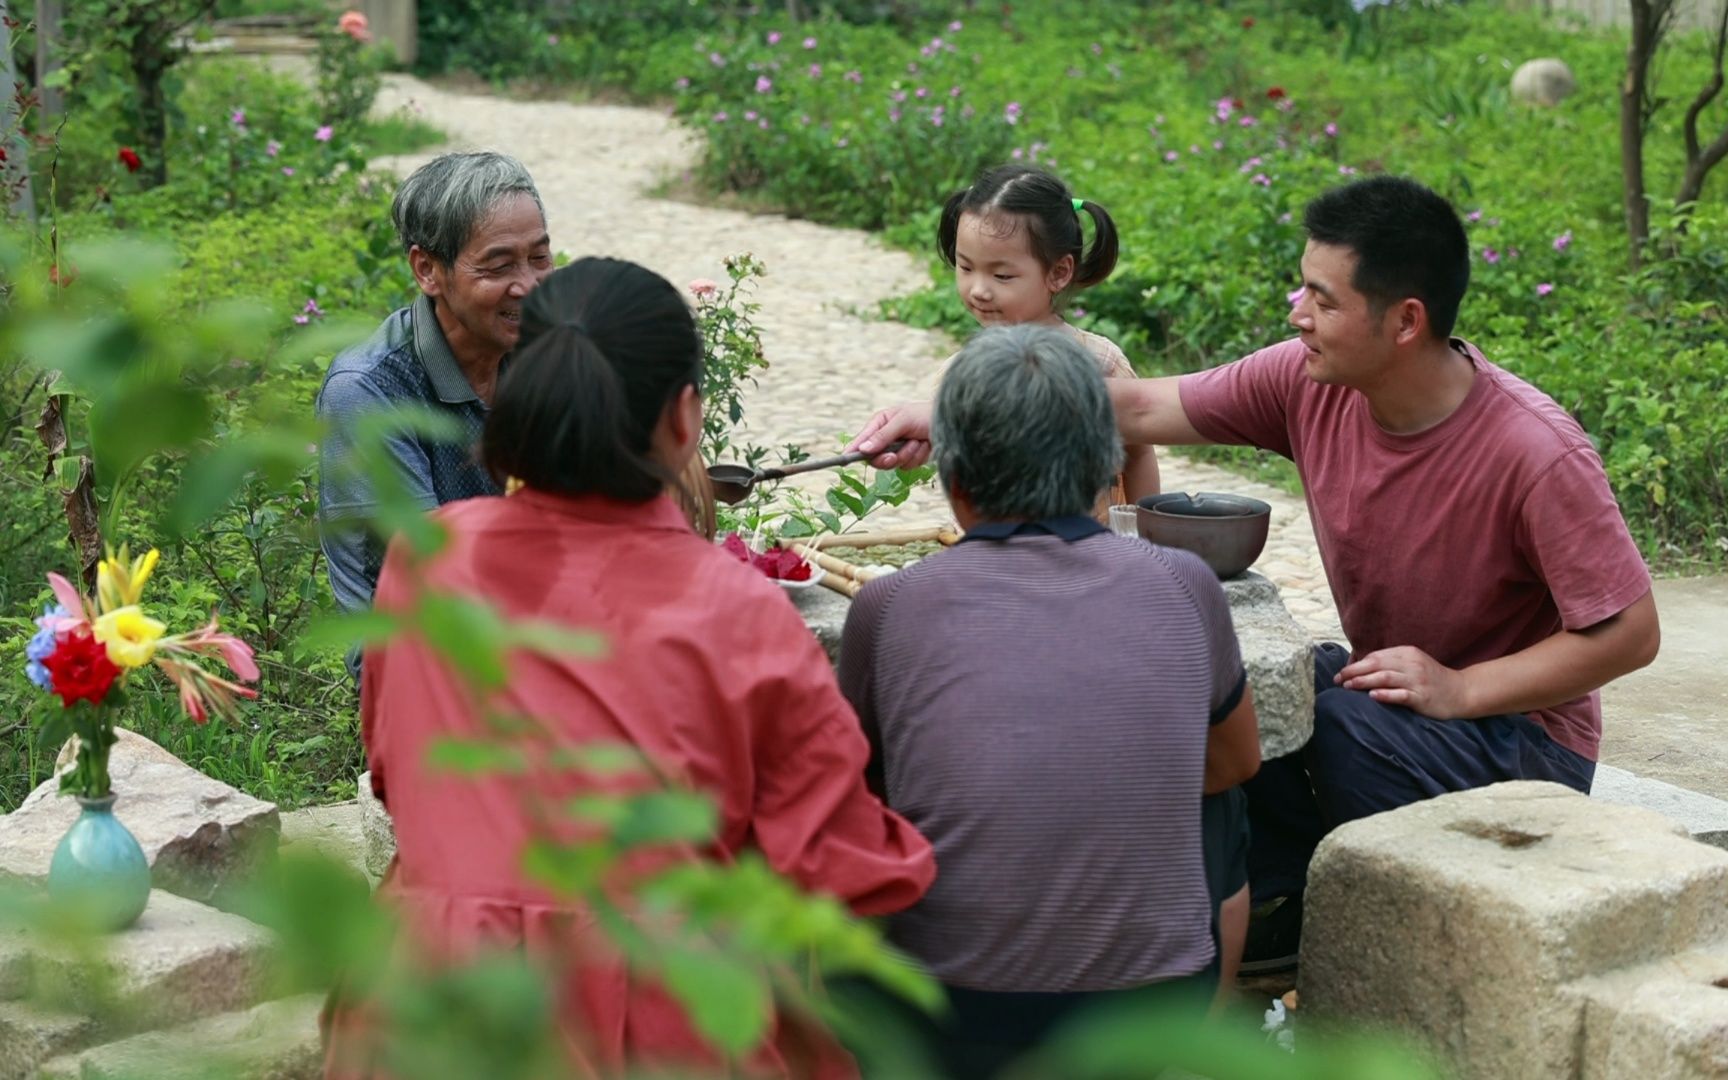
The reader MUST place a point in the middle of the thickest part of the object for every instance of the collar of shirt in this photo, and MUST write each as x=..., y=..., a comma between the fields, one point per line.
x=430, y=346
x=659, y=512
x=1070, y=529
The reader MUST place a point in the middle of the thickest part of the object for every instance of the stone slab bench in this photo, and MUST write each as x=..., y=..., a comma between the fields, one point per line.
x=1524, y=931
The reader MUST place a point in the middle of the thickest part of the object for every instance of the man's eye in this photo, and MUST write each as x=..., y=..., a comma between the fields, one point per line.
x=541, y=260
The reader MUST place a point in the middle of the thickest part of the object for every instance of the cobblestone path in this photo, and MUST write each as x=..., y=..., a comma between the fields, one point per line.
x=832, y=365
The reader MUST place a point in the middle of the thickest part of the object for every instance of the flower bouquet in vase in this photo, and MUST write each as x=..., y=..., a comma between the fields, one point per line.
x=82, y=653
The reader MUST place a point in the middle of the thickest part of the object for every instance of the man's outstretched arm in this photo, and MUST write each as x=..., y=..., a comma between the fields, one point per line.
x=1149, y=412
x=1556, y=669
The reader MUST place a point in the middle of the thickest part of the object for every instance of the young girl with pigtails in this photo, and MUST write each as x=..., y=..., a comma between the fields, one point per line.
x=1015, y=241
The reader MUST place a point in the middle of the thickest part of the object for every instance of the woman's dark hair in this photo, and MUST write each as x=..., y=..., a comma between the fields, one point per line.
x=1408, y=242
x=1043, y=204
x=605, y=345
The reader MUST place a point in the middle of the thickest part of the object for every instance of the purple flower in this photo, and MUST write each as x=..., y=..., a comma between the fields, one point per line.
x=750, y=115
x=312, y=308
x=716, y=59
x=721, y=117
x=843, y=142
x=897, y=96
x=1217, y=144
x=1079, y=312
x=683, y=83
x=1331, y=131
x=1250, y=165
x=302, y=320
x=1097, y=49
x=1473, y=216
x=1490, y=256
x=324, y=133
x=287, y=170
x=1563, y=241
x=1017, y=153
x=1511, y=253
x=764, y=84
x=272, y=148
x=1012, y=112
x=953, y=91
x=1346, y=170
x=815, y=71
x=936, y=118
x=968, y=113
x=956, y=26
x=1193, y=148
x=922, y=92
x=893, y=116
x=911, y=69
x=552, y=40
x=1171, y=155
x=1260, y=178
x=1248, y=121
x=853, y=76
x=763, y=123
x=239, y=118
x=1545, y=288
x=809, y=43
x=773, y=37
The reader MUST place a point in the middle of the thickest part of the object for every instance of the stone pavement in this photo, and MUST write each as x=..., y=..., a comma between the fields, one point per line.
x=832, y=365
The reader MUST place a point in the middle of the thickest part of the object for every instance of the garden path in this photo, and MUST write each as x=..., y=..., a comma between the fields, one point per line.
x=833, y=363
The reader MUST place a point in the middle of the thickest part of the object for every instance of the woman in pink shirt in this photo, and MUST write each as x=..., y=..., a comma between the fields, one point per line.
x=709, y=672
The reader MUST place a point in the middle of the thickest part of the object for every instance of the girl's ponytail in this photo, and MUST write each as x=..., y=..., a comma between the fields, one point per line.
x=1097, y=263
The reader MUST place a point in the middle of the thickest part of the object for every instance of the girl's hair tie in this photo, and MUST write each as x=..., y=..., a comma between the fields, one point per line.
x=1079, y=204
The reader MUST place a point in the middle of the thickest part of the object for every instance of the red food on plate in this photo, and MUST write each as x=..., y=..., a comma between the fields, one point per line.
x=778, y=564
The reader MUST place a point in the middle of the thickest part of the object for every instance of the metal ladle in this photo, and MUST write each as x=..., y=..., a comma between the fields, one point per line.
x=732, y=483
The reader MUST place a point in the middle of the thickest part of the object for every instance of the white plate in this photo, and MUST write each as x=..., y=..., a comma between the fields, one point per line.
x=816, y=573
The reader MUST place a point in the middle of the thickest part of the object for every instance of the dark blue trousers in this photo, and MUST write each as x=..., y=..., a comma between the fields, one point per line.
x=1366, y=757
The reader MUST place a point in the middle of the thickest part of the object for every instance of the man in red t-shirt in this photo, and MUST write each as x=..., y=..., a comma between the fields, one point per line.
x=1482, y=570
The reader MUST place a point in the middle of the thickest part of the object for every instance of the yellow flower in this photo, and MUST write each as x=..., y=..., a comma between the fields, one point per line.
x=120, y=579
x=129, y=634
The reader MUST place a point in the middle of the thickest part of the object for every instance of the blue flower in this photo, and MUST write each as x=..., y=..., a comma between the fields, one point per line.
x=39, y=675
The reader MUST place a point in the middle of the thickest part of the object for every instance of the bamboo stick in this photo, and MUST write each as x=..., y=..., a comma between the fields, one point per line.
x=906, y=534
x=829, y=563
x=844, y=586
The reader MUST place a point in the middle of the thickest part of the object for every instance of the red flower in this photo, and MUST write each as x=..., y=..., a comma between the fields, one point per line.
x=1248, y=23
x=130, y=159
x=80, y=667
x=1275, y=93
x=2, y=154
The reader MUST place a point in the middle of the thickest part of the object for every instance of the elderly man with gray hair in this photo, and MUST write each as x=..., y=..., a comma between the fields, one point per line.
x=474, y=231
x=1048, y=702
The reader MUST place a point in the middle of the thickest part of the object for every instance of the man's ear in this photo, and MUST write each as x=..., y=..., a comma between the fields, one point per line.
x=1409, y=321
x=426, y=270
x=1060, y=275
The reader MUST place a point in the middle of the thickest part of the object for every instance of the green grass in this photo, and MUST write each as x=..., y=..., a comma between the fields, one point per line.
x=400, y=133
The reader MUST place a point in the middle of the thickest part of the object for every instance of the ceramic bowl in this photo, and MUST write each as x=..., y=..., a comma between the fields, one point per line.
x=1227, y=531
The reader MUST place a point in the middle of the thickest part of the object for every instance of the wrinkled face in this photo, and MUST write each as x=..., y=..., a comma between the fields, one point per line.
x=999, y=279
x=481, y=292
x=1348, y=343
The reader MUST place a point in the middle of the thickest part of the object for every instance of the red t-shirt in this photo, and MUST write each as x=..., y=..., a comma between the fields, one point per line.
x=1475, y=539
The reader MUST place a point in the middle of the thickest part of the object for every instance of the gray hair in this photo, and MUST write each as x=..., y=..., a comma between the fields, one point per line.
x=443, y=201
x=1023, y=426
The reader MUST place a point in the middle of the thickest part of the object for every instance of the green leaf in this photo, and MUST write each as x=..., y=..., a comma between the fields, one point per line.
x=601, y=759
x=361, y=628
x=129, y=427
x=662, y=817
x=568, y=870
x=727, y=999
x=471, y=757
x=467, y=634
x=553, y=639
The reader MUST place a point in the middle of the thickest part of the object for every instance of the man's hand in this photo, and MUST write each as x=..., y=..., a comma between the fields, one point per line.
x=1409, y=677
x=910, y=422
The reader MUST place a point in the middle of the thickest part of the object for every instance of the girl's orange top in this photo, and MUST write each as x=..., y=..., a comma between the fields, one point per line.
x=709, y=671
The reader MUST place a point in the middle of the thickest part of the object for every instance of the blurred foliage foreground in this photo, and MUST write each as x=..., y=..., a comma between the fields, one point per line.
x=734, y=943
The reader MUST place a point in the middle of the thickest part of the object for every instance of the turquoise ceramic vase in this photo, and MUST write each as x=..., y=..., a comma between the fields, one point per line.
x=99, y=874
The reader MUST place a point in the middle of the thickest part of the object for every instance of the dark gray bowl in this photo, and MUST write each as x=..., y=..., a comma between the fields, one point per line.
x=1227, y=531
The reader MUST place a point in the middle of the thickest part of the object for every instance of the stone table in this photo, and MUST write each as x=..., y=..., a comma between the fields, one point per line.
x=1275, y=652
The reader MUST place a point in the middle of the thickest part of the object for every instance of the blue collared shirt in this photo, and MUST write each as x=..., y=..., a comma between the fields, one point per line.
x=407, y=361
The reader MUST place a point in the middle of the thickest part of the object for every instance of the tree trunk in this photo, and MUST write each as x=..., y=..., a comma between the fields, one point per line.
x=1700, y=159
x=15, y=190
x=1646, y=35
x=152, y=118
x=48, y=60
